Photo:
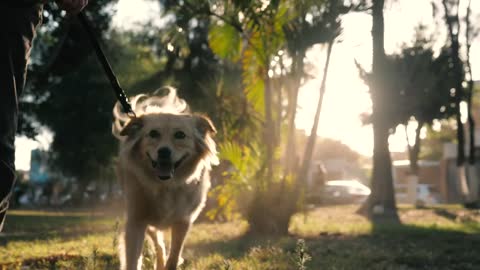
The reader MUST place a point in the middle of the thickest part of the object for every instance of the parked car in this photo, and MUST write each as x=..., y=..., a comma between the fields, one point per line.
x=349, y=191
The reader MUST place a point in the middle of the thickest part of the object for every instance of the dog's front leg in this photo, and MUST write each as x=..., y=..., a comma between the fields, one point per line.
x=134, y=236
x=157, y=239
x=179, y=232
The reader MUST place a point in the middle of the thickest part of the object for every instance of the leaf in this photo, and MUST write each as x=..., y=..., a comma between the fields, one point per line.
x=253, y=79
x=232, y=152
x=225, y=41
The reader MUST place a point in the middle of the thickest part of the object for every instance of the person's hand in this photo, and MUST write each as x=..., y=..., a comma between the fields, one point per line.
x=72, y=6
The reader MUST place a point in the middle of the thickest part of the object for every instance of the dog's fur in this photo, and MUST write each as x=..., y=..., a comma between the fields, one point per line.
x=165, y=157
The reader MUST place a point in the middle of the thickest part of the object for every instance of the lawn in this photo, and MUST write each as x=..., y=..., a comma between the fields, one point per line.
x=334, y=237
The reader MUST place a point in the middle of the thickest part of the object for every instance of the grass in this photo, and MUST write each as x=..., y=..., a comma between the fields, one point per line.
x=332, y=238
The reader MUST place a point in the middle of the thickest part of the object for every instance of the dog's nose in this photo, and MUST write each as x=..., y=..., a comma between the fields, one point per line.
x=164, y=153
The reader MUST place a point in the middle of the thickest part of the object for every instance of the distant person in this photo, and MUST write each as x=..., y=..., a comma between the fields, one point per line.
x=319, y=177
x=19, y=20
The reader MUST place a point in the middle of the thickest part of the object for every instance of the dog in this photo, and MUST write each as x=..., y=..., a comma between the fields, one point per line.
x=165, y=156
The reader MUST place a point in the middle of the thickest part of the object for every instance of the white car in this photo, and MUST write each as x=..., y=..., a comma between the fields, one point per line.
x=344, y=192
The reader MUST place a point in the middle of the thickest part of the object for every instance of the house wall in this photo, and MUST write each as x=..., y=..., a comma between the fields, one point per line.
x=430, y=173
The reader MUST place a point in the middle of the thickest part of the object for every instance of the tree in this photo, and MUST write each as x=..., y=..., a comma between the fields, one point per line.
x=424, y=84
x=432, y=148
x=190, y=65
x=266, y=35
x=334, y=149
x=58, y=38
x=470, y=34
x=262, y=31
x=462, y=75
x=381, y=202
x=453, y=25
x=75, y=102
x=299, y=38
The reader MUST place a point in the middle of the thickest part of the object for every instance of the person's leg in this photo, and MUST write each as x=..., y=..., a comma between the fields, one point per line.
x=15, y=44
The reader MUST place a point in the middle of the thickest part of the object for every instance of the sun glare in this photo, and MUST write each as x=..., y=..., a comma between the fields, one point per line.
x=346, y=95
x=132, y=13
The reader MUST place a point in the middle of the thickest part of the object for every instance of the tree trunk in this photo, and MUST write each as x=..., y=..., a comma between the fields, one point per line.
x=471, y=124
x=474, y=201
x=309, y=149
x=453, y=22
x=414, y=151
x=268, y=194
x=471, y=121
x=269, y=213
x=269, y=127
x=380, y=205
x=291, y=152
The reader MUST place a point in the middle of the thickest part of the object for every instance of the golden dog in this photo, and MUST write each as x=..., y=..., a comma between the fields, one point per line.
x=164, y=162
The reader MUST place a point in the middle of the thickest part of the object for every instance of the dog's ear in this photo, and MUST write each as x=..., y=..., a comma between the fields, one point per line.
x=204, y=125
x=132, y=127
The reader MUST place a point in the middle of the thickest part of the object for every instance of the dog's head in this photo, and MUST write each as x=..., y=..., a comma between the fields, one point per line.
x=167, y=144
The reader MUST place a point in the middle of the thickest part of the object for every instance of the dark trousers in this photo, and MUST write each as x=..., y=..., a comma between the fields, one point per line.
x=16, y=36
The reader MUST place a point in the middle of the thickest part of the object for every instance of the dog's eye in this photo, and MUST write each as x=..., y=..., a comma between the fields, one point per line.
x=179, y=135
x=154, y=134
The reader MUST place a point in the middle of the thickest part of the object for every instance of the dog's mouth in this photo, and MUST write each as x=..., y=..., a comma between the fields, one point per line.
x=165, y=168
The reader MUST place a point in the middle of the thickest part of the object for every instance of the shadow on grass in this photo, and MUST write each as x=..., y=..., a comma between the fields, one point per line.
x=29, y=227
x=388, y=246
x=64, y=261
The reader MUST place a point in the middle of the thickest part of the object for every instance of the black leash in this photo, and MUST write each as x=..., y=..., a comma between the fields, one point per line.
x=122, y=98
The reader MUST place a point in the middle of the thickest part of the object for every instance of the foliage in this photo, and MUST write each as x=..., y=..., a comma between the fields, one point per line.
x=58, y=38
x=182, y=44
x=260, y=37
x=75, y=102
x=453, y=25
x=209, y=84
x=250, y=41
x=82, y=143
x=133, y=57
x=332, y=149
x=425, y=89
x=253, y=40
x=436, y=138
x=419, y=84
x=301, y=255
x=225, y=41
x=242, y=168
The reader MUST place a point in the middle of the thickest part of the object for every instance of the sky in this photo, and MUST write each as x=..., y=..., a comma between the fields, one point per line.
x=346, y=96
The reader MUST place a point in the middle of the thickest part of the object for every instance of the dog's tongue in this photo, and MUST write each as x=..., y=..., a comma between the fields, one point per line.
x=164, y=170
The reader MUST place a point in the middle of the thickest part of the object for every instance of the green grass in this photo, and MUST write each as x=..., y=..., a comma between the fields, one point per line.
x=445, y=237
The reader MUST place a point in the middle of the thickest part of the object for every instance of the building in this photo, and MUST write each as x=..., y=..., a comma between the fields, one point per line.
x=429, y=175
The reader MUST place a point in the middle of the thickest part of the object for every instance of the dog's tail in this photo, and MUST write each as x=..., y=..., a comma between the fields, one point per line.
x=163, y=100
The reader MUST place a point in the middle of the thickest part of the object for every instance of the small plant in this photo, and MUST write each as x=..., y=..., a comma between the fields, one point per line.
x=220, y=265
x=92, y=260
x=227, y=265
x=116, y=230
x=301, y=256
x=148, y=256
x=113, y=261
